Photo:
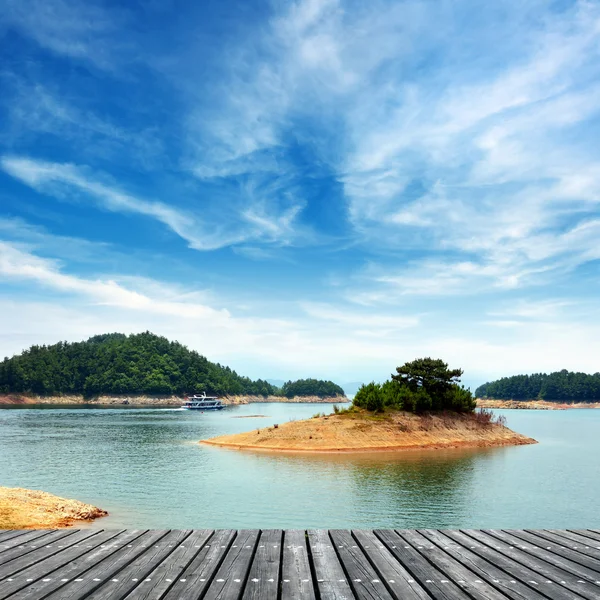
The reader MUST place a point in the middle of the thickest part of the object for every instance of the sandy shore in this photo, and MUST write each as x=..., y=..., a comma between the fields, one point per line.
x=363, y=432
x=534, y=404
x=32, y=509
x=20, y=399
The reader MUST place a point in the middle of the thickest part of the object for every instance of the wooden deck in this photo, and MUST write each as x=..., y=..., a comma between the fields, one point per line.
x=292, y=564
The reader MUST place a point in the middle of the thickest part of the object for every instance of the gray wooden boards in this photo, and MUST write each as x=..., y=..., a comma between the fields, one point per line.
x=296, y=577
x=298, y=564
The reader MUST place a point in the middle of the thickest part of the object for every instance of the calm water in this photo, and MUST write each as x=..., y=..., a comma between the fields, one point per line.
x=145, y=467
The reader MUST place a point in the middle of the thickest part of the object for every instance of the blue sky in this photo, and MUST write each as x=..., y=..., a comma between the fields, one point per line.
x=312, y=188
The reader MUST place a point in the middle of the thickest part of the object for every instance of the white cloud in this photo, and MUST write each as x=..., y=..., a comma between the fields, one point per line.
x=254, y=222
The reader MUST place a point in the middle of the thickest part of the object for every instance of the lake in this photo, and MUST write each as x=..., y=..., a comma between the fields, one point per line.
x=146, y=468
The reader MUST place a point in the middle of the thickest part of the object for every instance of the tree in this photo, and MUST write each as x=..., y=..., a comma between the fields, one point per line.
x=422, y=385
x=431, y=374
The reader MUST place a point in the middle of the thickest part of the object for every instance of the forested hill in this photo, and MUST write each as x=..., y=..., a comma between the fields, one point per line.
x=115, y=363
x=311, y=387
x=561, y=385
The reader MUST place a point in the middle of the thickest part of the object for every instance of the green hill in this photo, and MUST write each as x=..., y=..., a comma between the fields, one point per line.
x=119, y=364
x=559, y=386
x=144, y=363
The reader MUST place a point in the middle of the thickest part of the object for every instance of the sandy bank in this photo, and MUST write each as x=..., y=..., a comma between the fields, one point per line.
x=534, y=404
x=21, y=399
x=32, y=509
x=363, y=433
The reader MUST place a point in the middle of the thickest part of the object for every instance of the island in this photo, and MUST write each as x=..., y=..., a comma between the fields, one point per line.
x=138, y=369
x=545, y=391
x=421, y=407
x=33, y=509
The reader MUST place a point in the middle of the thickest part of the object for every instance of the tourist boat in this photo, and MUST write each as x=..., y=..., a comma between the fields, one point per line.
x=203, y=402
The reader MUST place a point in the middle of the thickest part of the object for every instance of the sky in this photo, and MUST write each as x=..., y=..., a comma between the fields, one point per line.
x=310, y=188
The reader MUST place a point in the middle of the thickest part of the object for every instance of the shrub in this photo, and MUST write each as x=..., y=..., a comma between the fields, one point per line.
x=370, y=397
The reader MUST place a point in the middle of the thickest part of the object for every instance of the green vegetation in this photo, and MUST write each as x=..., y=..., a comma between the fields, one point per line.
x=311, y=387
x=558, y=386
x=424, y=384
x=136, y=364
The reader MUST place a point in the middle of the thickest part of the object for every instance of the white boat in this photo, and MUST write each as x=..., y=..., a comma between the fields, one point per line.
x=203, y=402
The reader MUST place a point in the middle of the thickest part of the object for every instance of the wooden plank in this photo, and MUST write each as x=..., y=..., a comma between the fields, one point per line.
x=230, y=579
x=594, y=538
x=595, y=533
x=199, y=573
x=553, y=544
x=27, y=538
x=330, y=577
x=263, y=579
x=41, y=556
x=123, y=582
x=399, y=581
x=424, y=573
x=364, y=580
x=540, y=561
x=451, y=568
x=83, y=576
x=164, y=576
x=577, y=542
x=509, y=576
x=43, y=565
x=8, y=534
x=49, y=540
x=296, y=577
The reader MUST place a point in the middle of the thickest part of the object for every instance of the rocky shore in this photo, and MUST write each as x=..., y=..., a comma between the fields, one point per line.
x=533, y=404
x=32, y=509
x=18, y=399
x=358, y=431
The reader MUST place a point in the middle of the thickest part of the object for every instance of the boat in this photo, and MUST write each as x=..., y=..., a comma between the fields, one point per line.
x=203, y=402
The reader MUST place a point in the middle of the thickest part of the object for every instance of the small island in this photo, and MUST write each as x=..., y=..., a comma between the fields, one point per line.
x=33, y=509
x=421, y=407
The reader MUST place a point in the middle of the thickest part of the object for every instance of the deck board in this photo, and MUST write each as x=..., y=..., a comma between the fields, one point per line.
x=296, y=577
x=263, y=579
x=384, y=564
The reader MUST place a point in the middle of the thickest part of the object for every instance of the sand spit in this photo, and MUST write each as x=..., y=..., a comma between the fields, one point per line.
x=32, y=509
x=363, y=432
x=534, y=404
x=21, y=399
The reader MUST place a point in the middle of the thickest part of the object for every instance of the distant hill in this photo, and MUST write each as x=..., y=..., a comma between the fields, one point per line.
x=145, y=363
x=311, y=387
x=560, y=386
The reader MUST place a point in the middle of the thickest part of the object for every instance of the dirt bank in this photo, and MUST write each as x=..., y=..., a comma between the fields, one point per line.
x=32, y=509
x=360, y=432
x=534, y=404
x=16, y=399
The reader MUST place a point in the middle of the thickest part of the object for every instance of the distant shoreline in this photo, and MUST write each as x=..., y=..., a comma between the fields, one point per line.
x=533, y=404
x=144, y=400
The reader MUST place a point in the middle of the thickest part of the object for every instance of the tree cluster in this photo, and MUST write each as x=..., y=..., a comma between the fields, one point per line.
x=311, y=387
x=559, y=386
x=119, y=364
x=425, y=384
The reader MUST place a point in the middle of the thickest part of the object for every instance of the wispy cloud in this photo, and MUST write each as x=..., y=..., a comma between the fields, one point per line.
x=252, y=224
x=84, y=31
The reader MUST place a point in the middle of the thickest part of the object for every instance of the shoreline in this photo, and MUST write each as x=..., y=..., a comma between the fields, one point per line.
x=160, y=401
x=376, y=449
x=364, y=432
x=533, y=404
x=21, y=508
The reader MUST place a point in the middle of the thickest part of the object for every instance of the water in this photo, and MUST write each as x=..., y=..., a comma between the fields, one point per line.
x=145, y=467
